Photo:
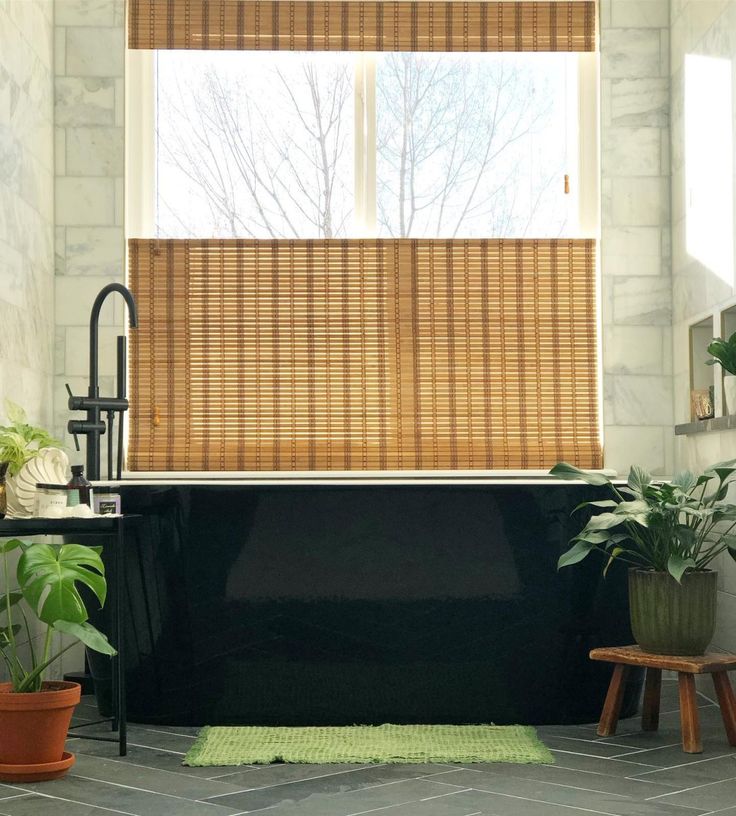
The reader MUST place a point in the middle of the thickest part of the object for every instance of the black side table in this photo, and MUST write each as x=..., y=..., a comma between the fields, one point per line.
x=113, y=528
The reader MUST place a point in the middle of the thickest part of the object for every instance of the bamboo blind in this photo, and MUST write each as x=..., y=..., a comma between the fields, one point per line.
x=526, y=25
x=363, y=355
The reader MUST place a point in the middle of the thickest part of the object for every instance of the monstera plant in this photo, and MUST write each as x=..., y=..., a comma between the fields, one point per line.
x=41, y=599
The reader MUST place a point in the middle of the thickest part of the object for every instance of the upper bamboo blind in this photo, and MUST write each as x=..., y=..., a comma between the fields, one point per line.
x=527, y=25
x=363, y=355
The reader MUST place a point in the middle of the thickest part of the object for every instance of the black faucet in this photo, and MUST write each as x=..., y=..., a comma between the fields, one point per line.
x=93, y=427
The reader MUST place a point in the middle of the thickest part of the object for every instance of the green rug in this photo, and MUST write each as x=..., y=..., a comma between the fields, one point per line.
x=251, y=745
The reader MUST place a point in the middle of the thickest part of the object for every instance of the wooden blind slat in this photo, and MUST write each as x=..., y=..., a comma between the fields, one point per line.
x=524, y=25
x=363, y=355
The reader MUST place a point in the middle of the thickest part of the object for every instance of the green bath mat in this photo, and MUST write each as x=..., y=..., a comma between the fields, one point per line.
x=251, y=745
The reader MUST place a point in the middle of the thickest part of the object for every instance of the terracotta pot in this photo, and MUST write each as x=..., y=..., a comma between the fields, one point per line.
x=671, y=618
x=33, y=728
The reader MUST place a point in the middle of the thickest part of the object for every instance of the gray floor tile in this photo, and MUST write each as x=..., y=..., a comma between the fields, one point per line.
x=709, y=795
x=708, y=769
x=124, y=798
x=150, y=779
x=35, y=805
x=364, y=800
x=333, y=782
x=145, y=757
x=536, y=791
x=554, y=775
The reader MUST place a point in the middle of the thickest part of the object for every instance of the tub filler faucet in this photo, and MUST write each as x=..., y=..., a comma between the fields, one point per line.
x=94, y=426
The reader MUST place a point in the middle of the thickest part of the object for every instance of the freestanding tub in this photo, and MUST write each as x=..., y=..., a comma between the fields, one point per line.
x=364, y=602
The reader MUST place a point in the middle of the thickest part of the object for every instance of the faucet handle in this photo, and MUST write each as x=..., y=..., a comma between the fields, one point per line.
x=75, y=403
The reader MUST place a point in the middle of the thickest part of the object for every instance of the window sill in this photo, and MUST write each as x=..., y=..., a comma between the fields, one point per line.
x=724, y=423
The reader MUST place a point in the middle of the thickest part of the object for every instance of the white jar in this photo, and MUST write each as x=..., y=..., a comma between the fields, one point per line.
x=51, y=500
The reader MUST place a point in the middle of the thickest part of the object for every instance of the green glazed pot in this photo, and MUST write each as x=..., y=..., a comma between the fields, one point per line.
x=671, y=618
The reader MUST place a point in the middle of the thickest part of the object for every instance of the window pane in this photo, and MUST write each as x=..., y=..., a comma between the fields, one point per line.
x=474, y=145
x=254, y=144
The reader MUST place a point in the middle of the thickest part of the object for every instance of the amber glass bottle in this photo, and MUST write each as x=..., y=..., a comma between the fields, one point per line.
x=81, y=485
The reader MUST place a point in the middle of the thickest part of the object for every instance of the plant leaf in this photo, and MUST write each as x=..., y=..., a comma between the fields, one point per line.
x=10, y=545
x=615, y=552
x=48, y=577
x=563, y=470
x=601, y=503
x=91, y=637
x=686, y=481
x=638, y=480
x=575, y=554
x=676, y=566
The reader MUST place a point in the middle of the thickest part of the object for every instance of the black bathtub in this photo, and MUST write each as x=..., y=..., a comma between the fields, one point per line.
x=290, y=603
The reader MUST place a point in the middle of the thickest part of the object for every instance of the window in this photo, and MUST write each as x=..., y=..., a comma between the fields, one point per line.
x=334, y=145
x=362, y=235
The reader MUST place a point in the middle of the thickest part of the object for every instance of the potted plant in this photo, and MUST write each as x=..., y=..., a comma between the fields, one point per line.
x=32, y=456
x=668, y=533
x=35, y=712
x=724, y=352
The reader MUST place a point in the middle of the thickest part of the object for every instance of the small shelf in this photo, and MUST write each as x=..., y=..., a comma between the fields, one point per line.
x=724, y=423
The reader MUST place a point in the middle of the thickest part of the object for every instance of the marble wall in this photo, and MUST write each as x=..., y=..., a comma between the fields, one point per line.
x=90, y=245
x=700, y=28
x=635, y=234
x=26, y=206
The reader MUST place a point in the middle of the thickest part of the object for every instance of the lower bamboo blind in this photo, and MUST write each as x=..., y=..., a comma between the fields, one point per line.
x=363, y=355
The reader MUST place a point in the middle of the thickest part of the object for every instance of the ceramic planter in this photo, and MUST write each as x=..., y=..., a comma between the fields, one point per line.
x=33, y=730
x=50, y=466
x=729, y=391
x=671, y=618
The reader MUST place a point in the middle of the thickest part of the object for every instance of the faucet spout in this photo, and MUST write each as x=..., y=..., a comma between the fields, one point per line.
x=93, y=412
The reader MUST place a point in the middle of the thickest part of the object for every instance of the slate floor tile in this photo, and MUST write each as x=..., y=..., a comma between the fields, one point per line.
x=333, y=782
x=127, y=799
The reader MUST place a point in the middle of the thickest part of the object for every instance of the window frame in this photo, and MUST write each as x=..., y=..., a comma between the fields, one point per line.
x=140, y=159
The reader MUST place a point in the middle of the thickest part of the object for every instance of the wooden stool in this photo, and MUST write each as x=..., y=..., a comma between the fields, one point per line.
x=686, y=667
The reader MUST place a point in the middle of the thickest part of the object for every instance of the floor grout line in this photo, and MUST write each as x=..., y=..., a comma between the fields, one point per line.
x=684, y=764
x=694, y=787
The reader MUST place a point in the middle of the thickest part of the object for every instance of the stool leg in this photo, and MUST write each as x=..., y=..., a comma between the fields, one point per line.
x=650, y=706
x=689, y=717
x=727, y=703
x=612, y=706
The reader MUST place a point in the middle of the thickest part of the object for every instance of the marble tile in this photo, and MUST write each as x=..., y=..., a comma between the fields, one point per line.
x=639, y=201
x=84, y=12
x=645, y=301
x=631, y=243
x=640, y=14
x=85, y=201
x=639, y=400
x=94, y=52
x=639, y=102
x=624, y=446
x=634, y=350
x=95, y=251
x=74, y=297
x=59, y=51
x=85, y=101
x=94, y=151
x=630, y=52
x=629, y=151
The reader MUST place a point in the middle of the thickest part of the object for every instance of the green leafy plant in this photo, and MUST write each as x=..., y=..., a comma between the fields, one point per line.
x=47, y=577
x=20, y=441
x=724, y=352
x=663, y=526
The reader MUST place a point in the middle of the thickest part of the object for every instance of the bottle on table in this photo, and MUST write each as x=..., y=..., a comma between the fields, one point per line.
x=80, y=490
